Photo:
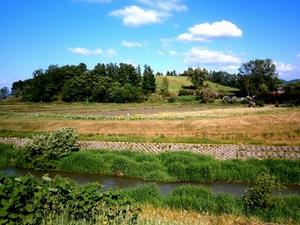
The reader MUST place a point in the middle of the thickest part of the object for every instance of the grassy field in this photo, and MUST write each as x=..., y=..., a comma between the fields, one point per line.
x=165, y=167
x=152, y=122
x=175, y=84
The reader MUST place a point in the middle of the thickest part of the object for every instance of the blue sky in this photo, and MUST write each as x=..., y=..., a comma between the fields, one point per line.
x=166, y=34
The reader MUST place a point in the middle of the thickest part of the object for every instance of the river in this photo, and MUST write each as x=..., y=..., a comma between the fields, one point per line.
x=121, y=182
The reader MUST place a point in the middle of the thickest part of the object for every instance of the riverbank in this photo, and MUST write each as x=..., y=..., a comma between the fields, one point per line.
x=197, y=203
x=182, y=166
x=218, y=151
x=166, y=167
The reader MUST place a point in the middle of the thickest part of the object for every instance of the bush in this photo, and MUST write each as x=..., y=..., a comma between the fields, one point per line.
x=172, y=99
x=45, y=149
x=25, y=200
x=259, y=196
x=206, y=95
x=185, y=92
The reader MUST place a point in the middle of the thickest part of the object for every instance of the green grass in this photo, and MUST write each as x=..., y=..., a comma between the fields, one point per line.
x=220, y=88
x=9, y=156
x=182, y=166
x=179, y=166
x=176, y=82
x=202, y=200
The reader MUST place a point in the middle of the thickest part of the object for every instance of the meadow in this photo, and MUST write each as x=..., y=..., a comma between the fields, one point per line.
x=156, y=122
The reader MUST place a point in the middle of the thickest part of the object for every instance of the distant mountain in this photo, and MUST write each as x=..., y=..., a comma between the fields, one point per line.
x=284, y=82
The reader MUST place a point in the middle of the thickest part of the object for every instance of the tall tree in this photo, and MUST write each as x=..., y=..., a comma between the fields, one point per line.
x=258, y=75
x=197, y=76
x=149, y=85
x=4, y=93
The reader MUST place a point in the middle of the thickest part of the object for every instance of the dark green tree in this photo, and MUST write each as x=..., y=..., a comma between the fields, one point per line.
x=148, y=84
x=199, y=76
x=256, y=76
x=4, y=93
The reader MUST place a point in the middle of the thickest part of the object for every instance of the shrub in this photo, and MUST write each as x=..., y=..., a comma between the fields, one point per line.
x=45, y=149
x=259, y=196
x=206, y=95
x=172, y=99
x=25, y=200
x=185, y=92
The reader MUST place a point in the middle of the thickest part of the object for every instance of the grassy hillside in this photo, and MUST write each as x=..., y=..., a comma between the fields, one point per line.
x=176, y=82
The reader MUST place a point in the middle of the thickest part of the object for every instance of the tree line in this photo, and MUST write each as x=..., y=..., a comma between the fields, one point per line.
x=254, y=77
x=72, y=83
x=126, y=83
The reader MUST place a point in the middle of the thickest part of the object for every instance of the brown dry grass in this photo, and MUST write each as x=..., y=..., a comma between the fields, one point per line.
x=269, y=129
x=163, y=216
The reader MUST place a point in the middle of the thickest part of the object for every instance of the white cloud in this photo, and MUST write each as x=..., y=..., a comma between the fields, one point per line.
x=298, y=55
x=173, y=53
x=135, y=16
x=131, y=44
x=198, y=56
x=85, y=51
x=283, y=67
x=207, y=31
x=157, y=11
x=166, y=5
x=111, y=53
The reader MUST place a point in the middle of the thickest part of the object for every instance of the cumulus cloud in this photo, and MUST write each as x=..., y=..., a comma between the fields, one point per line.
x=207, y=31
x=135, y=16
x=85, y=51
x=166, y=5
x=283, y=67
x=198, y=56
x=156, y=12
x=131, y=44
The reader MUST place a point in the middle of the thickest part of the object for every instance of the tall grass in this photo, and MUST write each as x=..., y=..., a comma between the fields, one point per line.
x=202, y=200
x=175, y=166
x=181, y=166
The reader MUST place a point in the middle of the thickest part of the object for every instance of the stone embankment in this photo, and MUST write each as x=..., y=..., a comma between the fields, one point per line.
x=223, y=151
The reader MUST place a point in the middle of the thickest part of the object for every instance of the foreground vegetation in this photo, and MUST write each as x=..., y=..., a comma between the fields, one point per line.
x=181, y=166
x=26, y=200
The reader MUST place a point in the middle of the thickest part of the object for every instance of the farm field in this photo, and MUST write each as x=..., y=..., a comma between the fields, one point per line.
x=153, y=122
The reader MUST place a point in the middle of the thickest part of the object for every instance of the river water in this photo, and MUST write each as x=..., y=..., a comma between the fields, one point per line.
x=121, y=182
